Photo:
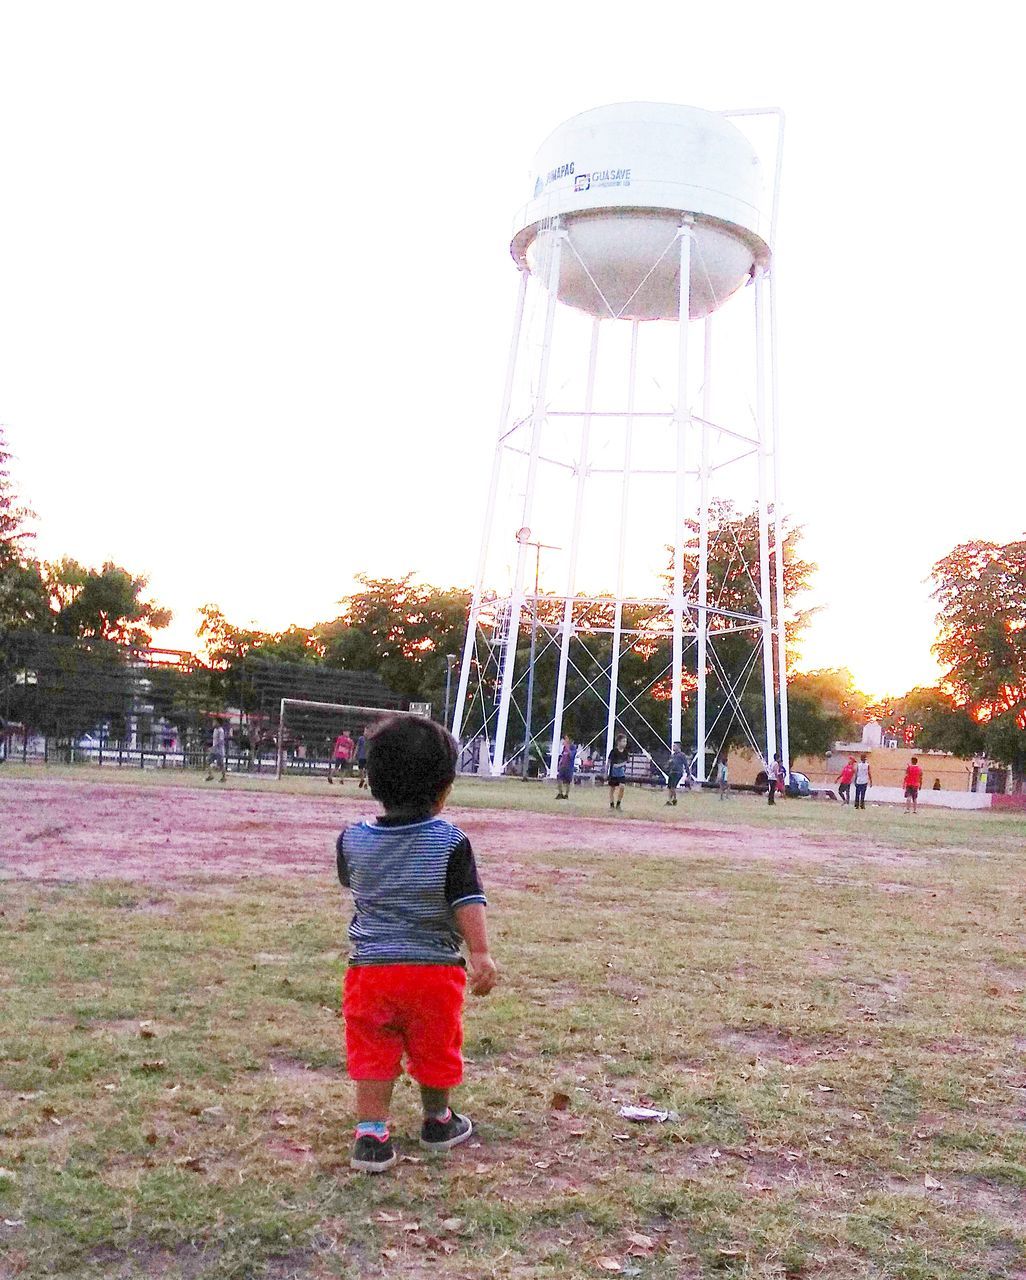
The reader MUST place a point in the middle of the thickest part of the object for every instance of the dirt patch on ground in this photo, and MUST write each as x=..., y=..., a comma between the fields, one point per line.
x=285, y=1068
x=769, y=1044
x=972, y=1195
x=62, y=830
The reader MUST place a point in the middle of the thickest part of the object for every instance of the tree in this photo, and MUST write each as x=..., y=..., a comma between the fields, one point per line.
x=981, y=591
x=400, y=629
x=824, y=707
x=14, y=516
x=936, y=722
x=102, y=604
x=23, y=596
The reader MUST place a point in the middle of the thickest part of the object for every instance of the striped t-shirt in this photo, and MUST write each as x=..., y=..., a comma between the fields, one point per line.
x=407, y=878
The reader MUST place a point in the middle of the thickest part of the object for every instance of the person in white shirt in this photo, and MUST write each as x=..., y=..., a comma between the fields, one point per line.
x=863, y=781
x=775, y=776
x=218, y=754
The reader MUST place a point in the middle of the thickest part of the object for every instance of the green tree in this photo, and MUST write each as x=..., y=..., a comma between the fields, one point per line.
x=102, y=604
x=936, y=722
x=24, y=601
x=824, y=707
x=15, y=531
x=980, y=588
x=228, y=647
x=400, y=629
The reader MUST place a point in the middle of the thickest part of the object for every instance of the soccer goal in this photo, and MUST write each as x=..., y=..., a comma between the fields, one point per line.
x=307, y=731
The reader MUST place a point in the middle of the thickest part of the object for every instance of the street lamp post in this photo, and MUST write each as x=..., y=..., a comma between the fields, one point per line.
x=450, y=658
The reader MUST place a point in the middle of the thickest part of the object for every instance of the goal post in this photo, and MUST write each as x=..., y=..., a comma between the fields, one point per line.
x=324, y=718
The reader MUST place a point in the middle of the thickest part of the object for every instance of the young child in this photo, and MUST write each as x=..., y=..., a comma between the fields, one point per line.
x=361, y=757
x=844, y=779
x=675, y=770
x=417, y=896
x=863, y=780
x=722, y=776
x=617, y=770
x=340, y=756
x=565, y=768
x=912, y=784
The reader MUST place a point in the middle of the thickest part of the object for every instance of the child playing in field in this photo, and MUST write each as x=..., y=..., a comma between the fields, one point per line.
x=565, y=768
x=675, y=770
x=617, y=770
x=417, y=896
x=341, y=755
x=361, y=757
x=912, y=784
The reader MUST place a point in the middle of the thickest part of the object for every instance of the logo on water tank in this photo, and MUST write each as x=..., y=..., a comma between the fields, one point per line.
x=602, y=178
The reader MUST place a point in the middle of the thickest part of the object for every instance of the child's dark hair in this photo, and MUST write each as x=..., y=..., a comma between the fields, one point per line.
x=411, y=761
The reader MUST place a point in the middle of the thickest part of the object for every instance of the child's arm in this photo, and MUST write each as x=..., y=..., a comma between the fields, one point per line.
x=470, y=920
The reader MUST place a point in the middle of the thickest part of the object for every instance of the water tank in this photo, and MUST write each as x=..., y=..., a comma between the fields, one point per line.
x=620, y=179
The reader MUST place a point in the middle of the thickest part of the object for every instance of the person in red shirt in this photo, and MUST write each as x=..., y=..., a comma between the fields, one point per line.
x=341, y=755
x=913, y=781
x=844, y=780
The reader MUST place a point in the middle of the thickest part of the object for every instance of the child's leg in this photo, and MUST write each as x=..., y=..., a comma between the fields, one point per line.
x=373, y=1100
x=435, y=1103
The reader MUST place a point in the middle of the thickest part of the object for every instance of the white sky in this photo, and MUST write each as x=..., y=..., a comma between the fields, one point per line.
x=255, y=295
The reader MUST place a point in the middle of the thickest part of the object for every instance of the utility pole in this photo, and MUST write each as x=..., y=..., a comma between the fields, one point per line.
x=524, y=538
x=450, y=658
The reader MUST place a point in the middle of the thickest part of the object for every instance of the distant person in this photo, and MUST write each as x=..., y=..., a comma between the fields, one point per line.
x=844, y=780
x=775, y=778
x=936, y=785
x=342, y=753
x=676, y=769
x=361, y=756
x=565, y=768
x=417, y=898
x=721, y=776
x=218, y=757
x=913, y=784
x=616, y=775
x=863, y=780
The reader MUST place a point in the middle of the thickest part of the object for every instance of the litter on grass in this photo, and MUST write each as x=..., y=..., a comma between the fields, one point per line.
x=647, y=1115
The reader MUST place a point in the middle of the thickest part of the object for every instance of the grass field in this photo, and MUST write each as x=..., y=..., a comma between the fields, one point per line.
x=831, y=1002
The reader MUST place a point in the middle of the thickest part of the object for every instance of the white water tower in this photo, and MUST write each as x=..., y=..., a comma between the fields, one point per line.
x=611, y=437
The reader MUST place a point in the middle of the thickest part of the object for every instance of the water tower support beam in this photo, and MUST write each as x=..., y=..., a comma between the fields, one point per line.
x=493, y=487
x=575, y=543
x=778, y=531
x=703, y=552
x=683, y=420
x=537, y=419
x=625, y=494
x=765, y=601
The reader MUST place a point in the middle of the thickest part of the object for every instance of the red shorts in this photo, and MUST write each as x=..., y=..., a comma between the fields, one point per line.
x=416, y=1009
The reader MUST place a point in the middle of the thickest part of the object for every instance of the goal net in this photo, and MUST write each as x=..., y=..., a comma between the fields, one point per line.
x=308, y=731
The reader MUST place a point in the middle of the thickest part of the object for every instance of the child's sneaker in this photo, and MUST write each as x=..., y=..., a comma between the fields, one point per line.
x=371, y=1154
x=442, y=1135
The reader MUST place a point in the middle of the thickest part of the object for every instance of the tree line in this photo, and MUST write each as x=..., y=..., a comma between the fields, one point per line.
x=402, y=630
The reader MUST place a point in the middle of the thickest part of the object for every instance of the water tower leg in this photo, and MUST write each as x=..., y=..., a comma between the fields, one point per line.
x=537, y=421
x=778, y=531
x=683, y=421
x=575, y=543
x=765, y=599
x=703, y=557
x=625, y=494
x=493, y=486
